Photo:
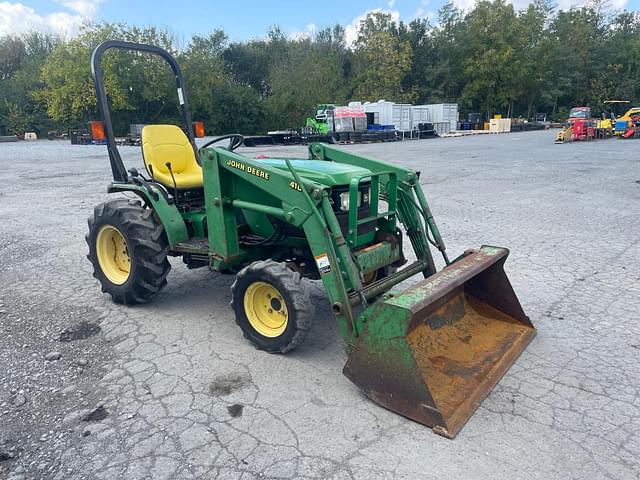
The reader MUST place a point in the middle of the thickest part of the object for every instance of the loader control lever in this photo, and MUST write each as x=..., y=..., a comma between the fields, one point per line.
x=175, y=185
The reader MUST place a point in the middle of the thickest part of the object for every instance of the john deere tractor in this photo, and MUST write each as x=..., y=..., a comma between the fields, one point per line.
x=430, y=353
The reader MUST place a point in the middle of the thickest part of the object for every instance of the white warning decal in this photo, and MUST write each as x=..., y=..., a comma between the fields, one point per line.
x=180, y=96
x=324, y=266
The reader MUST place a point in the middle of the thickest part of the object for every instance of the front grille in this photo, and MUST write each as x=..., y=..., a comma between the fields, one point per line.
x=363, y=212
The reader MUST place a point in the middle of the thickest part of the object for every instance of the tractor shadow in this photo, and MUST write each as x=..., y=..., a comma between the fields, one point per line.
x=194, y=295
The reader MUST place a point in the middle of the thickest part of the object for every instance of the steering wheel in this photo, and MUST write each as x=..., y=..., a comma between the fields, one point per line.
x=235, y=140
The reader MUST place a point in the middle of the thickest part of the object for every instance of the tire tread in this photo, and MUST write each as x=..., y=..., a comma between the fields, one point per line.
x=147, y=244
x=297, y=289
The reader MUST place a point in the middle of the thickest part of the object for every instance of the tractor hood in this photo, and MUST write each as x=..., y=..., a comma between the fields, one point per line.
x=321, y=171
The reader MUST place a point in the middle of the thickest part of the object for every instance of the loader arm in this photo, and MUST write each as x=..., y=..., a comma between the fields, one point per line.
x=412, y=204
x=304, y=203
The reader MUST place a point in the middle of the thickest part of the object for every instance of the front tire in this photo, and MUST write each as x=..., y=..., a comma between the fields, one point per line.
x=272, y=306
x=128, y=250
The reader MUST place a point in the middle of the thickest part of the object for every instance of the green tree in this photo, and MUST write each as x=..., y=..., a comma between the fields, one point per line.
x=21, y=59
x=418, y=34
x=622, y=55
x=534, y=60
x=446, y=77
x=12, y=53
x=578, y=36
x=215, y=96
x=136, y=83
x=383, y=61
x=490, y=58
x=305, y=79
x=249, y=63
x=492, y=68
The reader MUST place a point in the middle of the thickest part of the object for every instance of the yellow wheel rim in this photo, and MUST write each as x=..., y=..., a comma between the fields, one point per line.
x=370, y=277
x=266, y=310
x=113, y=254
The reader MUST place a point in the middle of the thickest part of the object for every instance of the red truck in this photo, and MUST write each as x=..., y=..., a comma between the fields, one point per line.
x=580, y=126
x=582, y=123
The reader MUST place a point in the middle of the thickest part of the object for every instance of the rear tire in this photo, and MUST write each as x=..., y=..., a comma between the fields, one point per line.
x=128, y=248
x=272, y=306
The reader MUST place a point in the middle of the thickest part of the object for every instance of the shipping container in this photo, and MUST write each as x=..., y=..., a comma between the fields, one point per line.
x=420, y=114
x=407, y=117
x=442, y=128
x=444, y=112
x=382, y=112
x=402, y=117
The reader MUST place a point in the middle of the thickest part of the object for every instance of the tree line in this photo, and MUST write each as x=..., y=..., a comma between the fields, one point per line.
x=490, y=59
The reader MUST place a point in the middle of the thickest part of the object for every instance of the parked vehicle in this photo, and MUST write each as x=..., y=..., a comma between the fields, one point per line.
x=580, y=126
x=430, y=353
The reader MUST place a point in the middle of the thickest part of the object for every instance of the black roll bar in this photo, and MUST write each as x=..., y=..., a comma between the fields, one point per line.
x=117, y=166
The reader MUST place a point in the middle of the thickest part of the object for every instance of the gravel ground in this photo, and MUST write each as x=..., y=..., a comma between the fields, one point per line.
x=171, y=389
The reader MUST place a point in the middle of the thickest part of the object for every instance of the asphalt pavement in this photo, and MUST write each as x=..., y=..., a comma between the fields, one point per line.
x=172, y=390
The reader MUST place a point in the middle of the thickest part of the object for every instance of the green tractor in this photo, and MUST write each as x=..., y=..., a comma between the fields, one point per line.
x=430, y=353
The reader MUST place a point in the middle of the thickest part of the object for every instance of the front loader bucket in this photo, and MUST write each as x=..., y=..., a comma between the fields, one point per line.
x=435, y=351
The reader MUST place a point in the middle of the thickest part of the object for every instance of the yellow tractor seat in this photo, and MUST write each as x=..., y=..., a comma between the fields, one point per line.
x=168, y=143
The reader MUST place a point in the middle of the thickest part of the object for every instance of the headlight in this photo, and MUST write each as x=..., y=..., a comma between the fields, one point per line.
x=344, y=201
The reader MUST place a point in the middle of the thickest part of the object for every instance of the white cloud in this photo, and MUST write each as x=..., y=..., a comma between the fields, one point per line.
x=16, y=17
x=562, y=4
x=423, y=12
x=519, y=4
x=619, y=4
x=85, y=8
x=308, y=32
x=464, y=4
x=351, y=30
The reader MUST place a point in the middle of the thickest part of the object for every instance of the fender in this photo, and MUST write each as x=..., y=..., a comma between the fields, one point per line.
x=169, y=215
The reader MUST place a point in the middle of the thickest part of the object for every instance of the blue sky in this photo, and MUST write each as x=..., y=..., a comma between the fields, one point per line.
x=244, y=19
x=241, y=19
